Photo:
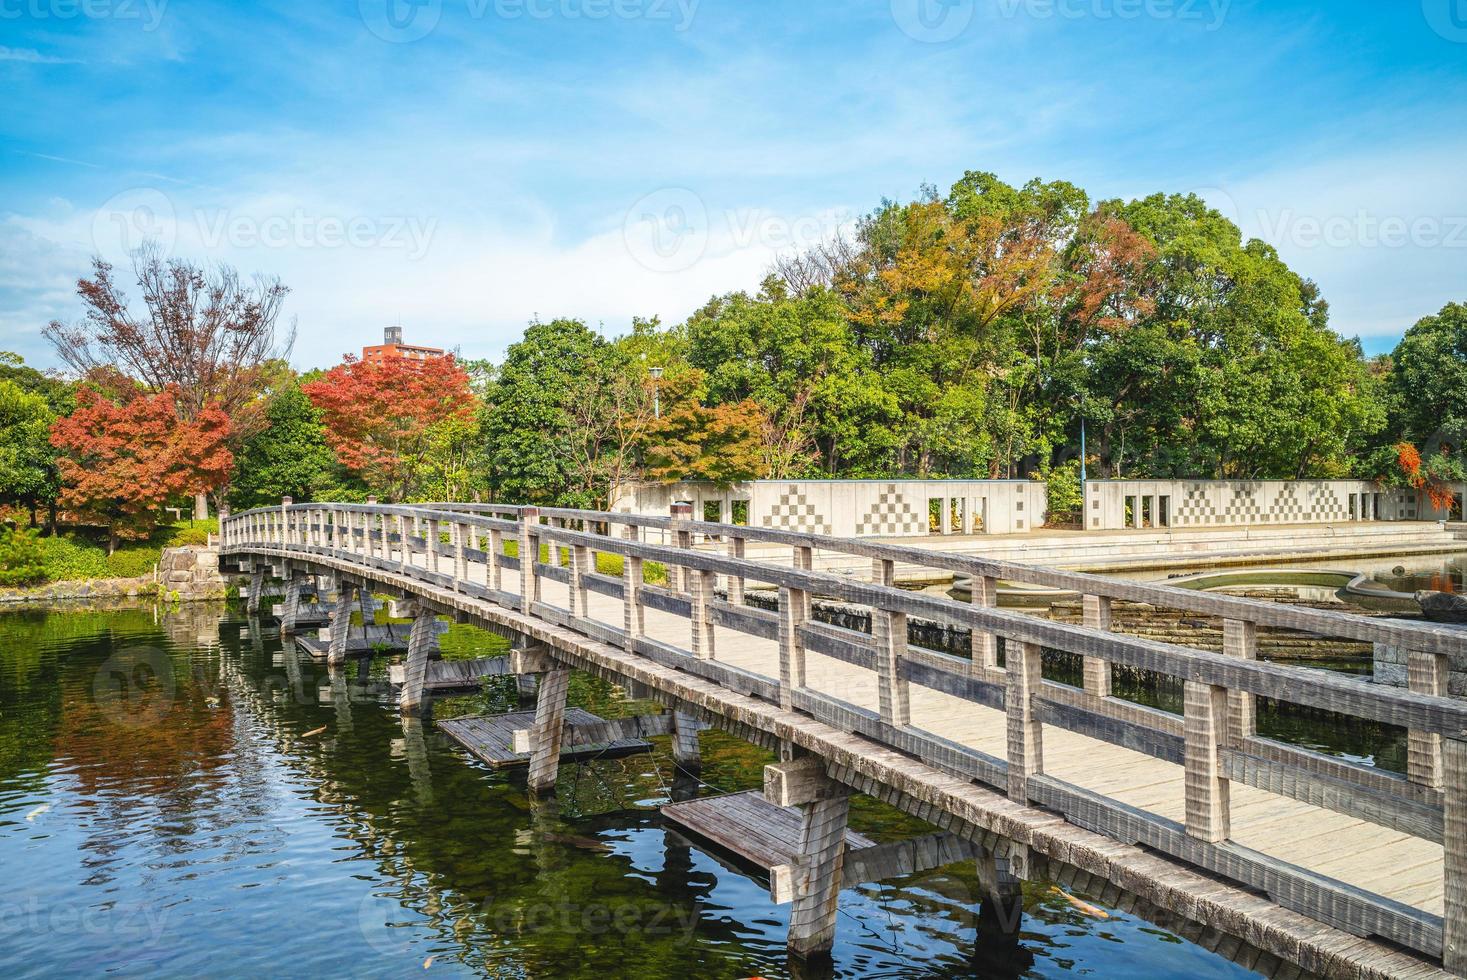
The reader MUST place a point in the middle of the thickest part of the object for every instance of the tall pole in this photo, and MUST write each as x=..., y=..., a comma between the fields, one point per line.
x=1082, y=470
x=656, y=374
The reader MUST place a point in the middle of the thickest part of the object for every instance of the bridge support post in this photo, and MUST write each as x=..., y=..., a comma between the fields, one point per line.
x=290, y=610
x=685, y=751
x=824, y=807
x=1002, y=907
x=1454, y=856
x=1097, y=616
x=422, y=639
x=548, y=731
x=340, y=625
x=1025, y=739
x=634, y=622
x=257, y=588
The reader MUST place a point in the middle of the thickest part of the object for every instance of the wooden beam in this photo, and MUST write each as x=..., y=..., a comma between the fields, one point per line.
x=1097, y=615
x=549, y=730
x=1025, y=736
x=799, y=781
x=1206, y=788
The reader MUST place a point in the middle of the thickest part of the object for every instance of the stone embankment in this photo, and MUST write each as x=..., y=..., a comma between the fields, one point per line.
x=187, y=574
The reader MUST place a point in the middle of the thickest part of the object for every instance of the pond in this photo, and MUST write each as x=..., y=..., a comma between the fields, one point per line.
x=244, y=812
x=1446, y=573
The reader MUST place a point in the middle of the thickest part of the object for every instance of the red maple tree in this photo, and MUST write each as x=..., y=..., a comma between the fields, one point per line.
x=382, y=418
x=124, y=460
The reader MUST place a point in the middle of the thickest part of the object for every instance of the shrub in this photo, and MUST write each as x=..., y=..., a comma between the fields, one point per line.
x=22, y=562
x=1062, y=484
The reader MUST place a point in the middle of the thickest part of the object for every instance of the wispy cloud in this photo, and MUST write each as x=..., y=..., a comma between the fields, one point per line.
x=33, y=57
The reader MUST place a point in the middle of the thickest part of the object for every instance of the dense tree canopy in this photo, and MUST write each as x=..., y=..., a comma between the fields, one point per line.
x=289, y=458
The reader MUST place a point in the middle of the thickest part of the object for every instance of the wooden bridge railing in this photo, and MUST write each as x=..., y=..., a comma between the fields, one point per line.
x=466, y=549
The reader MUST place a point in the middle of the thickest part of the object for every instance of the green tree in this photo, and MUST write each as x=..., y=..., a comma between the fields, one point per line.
x=528, y=429
x=289, y=457
x=28, y=475
x=1428, y=383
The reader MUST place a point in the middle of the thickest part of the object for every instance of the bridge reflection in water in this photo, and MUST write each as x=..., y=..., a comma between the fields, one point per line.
x=1332, y=865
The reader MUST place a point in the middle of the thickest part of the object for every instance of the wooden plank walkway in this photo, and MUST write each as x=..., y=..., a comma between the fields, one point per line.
x=748, y=826
x=488, y=738
x=1392, y=864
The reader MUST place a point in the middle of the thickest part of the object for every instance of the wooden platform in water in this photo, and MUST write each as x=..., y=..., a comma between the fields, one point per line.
x=488, y=738
x=749, y=826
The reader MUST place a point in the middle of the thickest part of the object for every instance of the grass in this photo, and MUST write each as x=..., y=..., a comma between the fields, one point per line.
x=653, y=572
x=82, y=553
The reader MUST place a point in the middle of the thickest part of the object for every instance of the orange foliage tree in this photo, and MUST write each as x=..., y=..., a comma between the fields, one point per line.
x=691, y=441
x=384, y=420
x=123, y=460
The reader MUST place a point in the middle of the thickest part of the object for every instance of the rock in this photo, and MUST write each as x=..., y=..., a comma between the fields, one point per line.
x=1443, y=607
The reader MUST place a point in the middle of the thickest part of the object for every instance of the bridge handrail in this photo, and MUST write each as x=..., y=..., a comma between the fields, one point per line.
x=1214, y=740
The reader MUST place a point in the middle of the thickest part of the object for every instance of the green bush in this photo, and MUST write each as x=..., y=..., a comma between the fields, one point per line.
x=1062, y=483
x=21, y=560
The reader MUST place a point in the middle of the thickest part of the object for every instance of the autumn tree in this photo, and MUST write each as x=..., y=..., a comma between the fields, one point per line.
x=121, y=462
x=386, y=421
x=202, y=333
x=722, y=444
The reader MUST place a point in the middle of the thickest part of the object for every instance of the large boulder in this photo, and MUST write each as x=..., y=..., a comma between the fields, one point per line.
x=1443, y=607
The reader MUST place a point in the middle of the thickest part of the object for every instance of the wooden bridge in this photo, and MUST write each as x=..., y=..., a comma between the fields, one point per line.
x=1337, y=867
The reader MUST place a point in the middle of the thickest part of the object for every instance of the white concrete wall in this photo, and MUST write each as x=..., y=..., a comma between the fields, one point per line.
x=1249, y=503
x=854, y=508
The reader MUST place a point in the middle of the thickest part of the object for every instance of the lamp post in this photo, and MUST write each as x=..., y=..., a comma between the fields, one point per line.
x=656, y=374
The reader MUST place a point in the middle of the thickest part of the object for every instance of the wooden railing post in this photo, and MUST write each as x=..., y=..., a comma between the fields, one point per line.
x=1426, y=673
x=404, y=550
x=1240, y=639
x=458, y=532
x=736, y=582
x=889, y=632
x=1025, y=734
x=1454, y=856
x=285, y=533
x=984, y=592
x=633, y=614
x=529, y=555
x=794, y=609
x=369, y=526
x=494, y=570
x=702, y=585
x=680, y=578
x=1205, y=726
x=1097, y=615
x=580, y=593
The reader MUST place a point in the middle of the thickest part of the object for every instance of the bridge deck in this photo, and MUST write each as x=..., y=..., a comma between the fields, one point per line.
x=1323, y=850
x=1386, y=862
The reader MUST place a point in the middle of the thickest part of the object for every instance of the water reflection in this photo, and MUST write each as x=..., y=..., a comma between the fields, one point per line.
x=180, y=795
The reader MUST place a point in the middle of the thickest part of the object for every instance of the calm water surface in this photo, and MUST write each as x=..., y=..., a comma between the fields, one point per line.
x=241, y=813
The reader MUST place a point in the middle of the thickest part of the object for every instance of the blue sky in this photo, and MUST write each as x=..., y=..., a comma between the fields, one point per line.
x=465, y=165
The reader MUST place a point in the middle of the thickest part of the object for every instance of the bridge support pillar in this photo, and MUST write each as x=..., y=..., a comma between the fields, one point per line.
x=422, y=639
x=824, y=807
x=295, y=587
x=257, y=589
x=340, y=625
x=685, y=742
x=996, y=948
x=548, y=731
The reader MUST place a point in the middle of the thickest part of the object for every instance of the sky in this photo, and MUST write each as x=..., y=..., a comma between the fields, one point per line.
x=462, y=167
